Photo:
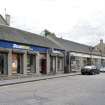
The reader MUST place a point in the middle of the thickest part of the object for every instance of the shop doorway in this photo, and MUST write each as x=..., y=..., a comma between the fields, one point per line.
x=52, y=64
x=89, y=61
x=31, y=63
x=3, y=64
x=43, y=66
x=43, y=63
x=17, y=63
x=60, y=65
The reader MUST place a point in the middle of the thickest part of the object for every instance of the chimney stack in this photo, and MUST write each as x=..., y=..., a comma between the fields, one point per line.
x=101, y=41
x=7, y=17
x=101, y=45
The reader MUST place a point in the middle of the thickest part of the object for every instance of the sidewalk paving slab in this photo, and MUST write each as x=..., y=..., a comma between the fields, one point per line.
x=32, y=79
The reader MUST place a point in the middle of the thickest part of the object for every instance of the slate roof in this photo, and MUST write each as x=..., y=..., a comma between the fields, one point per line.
x=16, y=35
x=74, y=47
x=2, y=21
x=71, y=46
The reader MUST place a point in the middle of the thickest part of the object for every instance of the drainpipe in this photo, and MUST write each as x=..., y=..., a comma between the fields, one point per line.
x=101, y=55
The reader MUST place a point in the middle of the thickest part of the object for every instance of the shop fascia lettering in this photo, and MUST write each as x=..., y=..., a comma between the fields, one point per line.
x=21, y=47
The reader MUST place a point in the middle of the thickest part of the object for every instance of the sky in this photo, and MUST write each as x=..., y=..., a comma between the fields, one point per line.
x=81, y=21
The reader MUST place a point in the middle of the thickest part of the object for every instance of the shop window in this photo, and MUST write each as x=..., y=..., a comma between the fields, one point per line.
x=43, y=66
x=58, y=63
x=67, y=59
x=51, y=64
x=17, y=63
x=29, y=60
x=88, y=61
x=85, y=63
x=3, y=64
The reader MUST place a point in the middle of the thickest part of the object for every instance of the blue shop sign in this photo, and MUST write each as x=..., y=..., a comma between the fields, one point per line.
x=18, y=46
x=7, y=44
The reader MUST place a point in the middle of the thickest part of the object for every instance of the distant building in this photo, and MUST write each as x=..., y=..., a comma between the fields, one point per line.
x=100, y=48
x=79, y=55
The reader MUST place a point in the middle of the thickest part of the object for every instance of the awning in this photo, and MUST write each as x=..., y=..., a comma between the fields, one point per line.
x=32, y=52
x=4, y=50
x=57, y=54
x=18, y=51
x=86, y=55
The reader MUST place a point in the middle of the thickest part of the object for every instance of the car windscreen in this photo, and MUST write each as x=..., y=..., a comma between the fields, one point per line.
x=90, y=67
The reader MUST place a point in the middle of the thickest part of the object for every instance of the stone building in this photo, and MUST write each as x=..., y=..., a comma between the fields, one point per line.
x=78, y=55
x=100, y=48
x=23, y=53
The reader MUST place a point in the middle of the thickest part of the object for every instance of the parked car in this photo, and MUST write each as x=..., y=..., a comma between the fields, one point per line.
x=102, y=69
x=91, y=69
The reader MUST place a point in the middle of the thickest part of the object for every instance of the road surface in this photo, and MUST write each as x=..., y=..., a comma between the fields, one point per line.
x=72, y=90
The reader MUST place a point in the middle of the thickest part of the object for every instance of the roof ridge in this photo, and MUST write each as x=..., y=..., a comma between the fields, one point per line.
x=75, y=42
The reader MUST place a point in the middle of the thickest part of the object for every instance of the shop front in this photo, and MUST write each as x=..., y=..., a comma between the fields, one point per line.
x=75, y=63
x=56, y=62
x=22, y=59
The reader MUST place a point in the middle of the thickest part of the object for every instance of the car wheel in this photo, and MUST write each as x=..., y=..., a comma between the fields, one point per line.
x=93, y=73
x=98, y=72
x=82, y=73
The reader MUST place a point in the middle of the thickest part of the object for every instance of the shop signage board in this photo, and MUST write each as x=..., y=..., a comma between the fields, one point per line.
x=13, y=45
x=22, y=47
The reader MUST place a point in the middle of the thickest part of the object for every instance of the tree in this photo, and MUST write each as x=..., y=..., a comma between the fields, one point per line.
x=46, y=33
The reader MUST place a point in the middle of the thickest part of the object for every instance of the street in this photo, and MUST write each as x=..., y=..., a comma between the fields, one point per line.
x=72, y=90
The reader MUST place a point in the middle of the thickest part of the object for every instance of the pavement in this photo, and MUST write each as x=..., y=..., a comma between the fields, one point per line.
x=34, y=78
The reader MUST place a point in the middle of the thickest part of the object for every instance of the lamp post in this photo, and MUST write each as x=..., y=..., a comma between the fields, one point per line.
x=101, y=55
x=91, y=50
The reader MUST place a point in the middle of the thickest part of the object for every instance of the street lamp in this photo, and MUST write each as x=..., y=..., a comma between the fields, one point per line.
x=101, y=55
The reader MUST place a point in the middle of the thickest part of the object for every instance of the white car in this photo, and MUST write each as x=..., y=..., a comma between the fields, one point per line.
x=102, y=69
x=91, y=69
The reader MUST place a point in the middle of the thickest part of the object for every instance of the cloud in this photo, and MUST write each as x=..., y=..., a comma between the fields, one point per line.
x=77, y=20
x=85, y=33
